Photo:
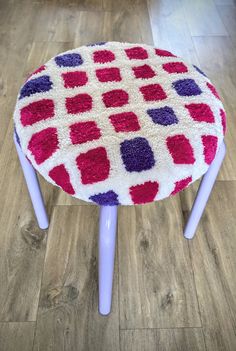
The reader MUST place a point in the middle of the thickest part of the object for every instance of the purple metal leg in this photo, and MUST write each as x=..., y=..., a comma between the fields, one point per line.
x=33, y=188
x=203, y=193
x=106, y=247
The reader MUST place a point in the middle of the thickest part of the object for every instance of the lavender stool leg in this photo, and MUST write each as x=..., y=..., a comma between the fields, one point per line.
x=203, y=193
x=33, y=188
x=106, y=247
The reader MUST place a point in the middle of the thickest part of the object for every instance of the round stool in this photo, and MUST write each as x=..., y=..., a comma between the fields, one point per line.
x=119, y=124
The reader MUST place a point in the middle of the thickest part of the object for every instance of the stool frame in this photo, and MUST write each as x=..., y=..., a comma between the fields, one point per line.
x=108, y=220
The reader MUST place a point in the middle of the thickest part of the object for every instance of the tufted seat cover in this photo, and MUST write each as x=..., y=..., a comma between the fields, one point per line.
x=119, y=123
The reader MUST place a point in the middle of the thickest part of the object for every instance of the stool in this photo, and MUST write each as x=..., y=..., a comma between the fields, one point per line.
x=119, y=124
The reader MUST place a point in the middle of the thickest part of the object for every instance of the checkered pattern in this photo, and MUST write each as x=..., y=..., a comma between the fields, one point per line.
x=119, y=123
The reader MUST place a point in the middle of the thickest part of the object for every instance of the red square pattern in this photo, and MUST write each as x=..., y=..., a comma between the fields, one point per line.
x=43, y=144
x=210, y=147
x=137, y=53
x=213, y=90
x=180, y=149
x=153, y=92
x=38, y=70
x=115, y=98
x=181, y=184
x=223, y=120
x=164, y=53
x=79, y=103
x=143, y=193
x=201, y=112
x=37, y=111
x=74, y=79
x=103, y=56
x=175, y=67
x=94, y=165
x=108, y=74
x=61, y=177
x=125, y=122
x=144, y=71
x=82, y=132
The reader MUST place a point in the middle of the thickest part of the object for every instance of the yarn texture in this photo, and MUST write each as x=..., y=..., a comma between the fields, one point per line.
x=119, y=123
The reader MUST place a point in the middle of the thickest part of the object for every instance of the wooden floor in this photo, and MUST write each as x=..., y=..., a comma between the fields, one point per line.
x=169, y=294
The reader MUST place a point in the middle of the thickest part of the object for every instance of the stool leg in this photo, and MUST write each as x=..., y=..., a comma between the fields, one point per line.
x=203, y=193
x=106, y=247
x=33, y=188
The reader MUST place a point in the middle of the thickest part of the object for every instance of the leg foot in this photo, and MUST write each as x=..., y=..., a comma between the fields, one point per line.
x=33, y=188
x=203, y=193
x=107, y=243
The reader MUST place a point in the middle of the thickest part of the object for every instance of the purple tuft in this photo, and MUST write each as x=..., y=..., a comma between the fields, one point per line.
x=164, y=116
x=99, y=43
x=69, y=60
x=137, y=155
x=17, y=136
x=37, y=85
x=199, y=70
x=186, y=87
x=109, y=198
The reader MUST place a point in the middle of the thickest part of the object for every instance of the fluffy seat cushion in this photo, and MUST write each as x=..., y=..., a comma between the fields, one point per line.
x=119, y=123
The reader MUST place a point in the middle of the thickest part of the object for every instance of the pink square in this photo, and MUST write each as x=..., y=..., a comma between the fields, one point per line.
x=180, y=149
x=125, y=122
x=103, y=56
x=82, y=132
x=213, y=90
x=74, y=79
x=153, y=92
x=144, y=71
x=43, y=144
x=62, y=178
x=38, y=70
x=79, y=103
x=164, y=53
x=223, y=120
x=175, y=67
x=210, y=147
x=143, y=193
x=201, y=112
x=108, y=74
x=94, y=165
x=137, y=53
x=181, y=184
x=37, y=111
x=115, y=98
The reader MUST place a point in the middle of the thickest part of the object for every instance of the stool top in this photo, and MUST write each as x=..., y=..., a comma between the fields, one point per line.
x=119, y=123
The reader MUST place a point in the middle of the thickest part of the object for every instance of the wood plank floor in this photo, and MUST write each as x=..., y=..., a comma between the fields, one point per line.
x=169, y=294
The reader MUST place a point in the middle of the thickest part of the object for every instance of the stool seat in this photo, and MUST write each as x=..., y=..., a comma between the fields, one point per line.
x=119, y=123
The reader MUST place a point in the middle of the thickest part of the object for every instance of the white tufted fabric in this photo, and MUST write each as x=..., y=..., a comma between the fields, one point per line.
x=119, y=123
